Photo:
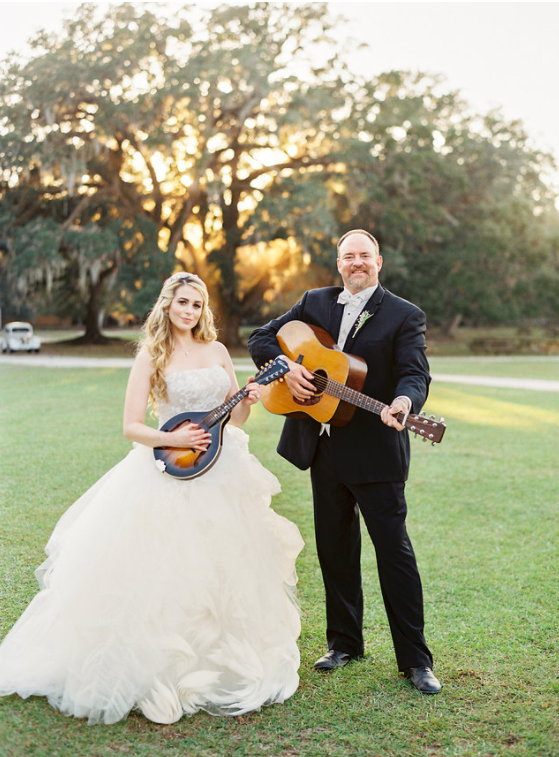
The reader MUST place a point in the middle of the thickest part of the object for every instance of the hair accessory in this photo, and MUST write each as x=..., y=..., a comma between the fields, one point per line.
x=183, y=275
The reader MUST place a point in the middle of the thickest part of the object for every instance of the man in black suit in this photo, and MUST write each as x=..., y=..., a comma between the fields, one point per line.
x=362, y=467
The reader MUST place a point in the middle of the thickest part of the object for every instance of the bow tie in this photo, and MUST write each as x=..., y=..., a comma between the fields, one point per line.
x=353, y=300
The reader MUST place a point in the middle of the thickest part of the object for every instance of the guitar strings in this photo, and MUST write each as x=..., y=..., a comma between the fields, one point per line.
x=361, y=400
x=321, y=382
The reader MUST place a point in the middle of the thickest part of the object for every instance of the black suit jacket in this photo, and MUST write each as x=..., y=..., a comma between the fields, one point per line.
x=392, y=343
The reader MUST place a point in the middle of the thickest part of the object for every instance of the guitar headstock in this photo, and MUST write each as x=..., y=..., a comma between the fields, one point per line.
x=429, y=429
x=271, y=371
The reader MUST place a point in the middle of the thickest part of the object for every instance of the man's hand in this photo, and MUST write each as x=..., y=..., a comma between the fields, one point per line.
x=299, y=380
x=399, y=405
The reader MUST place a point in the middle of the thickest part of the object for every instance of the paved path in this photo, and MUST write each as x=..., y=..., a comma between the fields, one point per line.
x=54, y=361
x=536, y=385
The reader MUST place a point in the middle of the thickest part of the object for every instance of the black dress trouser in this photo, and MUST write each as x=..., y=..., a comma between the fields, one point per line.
x=337, y=528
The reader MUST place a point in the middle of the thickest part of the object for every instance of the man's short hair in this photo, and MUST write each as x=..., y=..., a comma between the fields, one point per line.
x=358, y=231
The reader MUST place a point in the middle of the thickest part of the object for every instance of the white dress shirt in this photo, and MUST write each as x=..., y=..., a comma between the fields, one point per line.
x=353, y=305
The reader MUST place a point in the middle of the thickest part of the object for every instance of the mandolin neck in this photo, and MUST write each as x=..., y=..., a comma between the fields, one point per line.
x=218, y=413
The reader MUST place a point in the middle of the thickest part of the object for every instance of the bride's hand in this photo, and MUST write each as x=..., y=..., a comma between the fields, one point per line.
x=253, y=392
x=189, y=436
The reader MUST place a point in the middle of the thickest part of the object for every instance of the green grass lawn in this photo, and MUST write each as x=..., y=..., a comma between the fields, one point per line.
x=484, y=523
x=540, y=367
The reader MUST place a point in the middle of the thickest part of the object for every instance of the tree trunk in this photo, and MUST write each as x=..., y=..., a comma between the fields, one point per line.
x=452, y=325
x=94, y=306
x=229, y=324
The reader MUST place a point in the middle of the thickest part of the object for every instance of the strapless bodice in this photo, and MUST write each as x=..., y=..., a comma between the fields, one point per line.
x=196, y=390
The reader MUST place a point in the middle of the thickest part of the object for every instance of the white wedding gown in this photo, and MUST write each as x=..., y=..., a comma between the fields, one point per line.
x=163, y=595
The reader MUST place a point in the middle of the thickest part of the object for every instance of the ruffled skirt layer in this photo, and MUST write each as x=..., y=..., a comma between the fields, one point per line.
x=163, y=595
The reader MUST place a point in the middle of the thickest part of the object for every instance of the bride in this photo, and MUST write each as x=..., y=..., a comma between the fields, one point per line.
x=158, y=594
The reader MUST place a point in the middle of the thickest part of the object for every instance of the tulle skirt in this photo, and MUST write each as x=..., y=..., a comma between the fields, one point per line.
x=165, y=596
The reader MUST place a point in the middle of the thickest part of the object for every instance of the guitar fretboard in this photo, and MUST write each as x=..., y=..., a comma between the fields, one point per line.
x=345, y=393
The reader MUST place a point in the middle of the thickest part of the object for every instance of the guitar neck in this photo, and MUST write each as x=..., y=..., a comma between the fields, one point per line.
x=345, y=393
x=426, y=428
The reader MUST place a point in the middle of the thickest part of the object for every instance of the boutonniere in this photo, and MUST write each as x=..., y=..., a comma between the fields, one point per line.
x=361, y=321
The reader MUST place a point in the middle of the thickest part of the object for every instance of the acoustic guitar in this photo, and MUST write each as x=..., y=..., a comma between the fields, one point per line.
x=338, y=378
x=185, y=464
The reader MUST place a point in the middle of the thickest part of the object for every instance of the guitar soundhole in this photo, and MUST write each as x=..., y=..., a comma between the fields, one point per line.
x=320, y=378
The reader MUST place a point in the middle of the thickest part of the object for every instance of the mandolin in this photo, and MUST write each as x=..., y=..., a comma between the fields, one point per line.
x=338, y=378
x=185, y=464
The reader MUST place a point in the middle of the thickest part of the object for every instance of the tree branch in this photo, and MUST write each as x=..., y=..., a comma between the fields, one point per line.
x=157, y=193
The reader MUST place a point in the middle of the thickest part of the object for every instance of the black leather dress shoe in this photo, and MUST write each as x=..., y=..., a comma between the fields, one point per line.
x=332, y=660
x=423, y=680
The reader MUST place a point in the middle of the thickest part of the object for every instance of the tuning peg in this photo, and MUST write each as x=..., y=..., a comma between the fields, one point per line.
x=441, y=419
x=433, y=444
x=422, y=413
x=432, y=417
x=424, y=439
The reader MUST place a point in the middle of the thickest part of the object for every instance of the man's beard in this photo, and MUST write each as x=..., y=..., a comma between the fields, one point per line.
x=359, y=282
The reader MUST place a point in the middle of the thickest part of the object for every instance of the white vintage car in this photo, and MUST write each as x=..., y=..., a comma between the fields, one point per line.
x=18, y=336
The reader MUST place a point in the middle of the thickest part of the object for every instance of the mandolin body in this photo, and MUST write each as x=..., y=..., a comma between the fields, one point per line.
x=190, y=463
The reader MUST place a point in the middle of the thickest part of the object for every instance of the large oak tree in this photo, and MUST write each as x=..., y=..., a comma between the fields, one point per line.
x=131, y=141
x=237, y=144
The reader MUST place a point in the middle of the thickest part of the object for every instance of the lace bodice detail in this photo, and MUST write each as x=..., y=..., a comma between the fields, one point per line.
x=197, y=390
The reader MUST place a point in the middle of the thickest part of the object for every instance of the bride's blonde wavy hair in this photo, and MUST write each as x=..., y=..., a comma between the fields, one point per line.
x=158, y=337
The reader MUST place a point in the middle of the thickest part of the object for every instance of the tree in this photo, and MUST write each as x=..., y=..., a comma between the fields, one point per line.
x=132, y=132
x=235, y=143
x=459, y=202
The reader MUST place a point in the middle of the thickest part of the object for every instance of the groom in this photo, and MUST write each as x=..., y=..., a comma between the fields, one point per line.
x=361, y=468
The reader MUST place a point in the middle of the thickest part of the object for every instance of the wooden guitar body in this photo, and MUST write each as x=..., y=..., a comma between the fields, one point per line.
x=338, y=380
x=314, y=348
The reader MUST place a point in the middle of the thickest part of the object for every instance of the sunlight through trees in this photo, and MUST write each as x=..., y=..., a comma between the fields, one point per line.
x=236, y=143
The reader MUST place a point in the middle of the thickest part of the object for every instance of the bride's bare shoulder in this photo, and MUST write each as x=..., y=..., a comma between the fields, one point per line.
x=217, y=350
x=143, y=362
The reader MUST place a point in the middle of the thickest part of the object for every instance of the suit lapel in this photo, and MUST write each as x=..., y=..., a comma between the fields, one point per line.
x=372, y=305
x=336, y=313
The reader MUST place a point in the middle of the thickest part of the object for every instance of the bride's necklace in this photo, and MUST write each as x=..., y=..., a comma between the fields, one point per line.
x=187, y=352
